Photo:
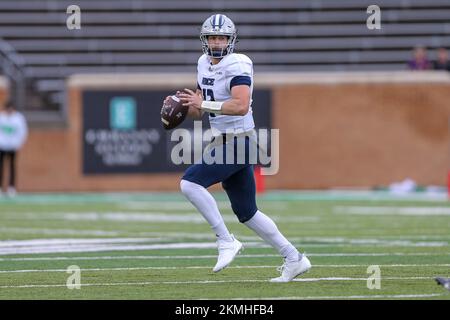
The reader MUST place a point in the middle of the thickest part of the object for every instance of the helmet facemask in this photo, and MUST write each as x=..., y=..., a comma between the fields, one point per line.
x=217, y=53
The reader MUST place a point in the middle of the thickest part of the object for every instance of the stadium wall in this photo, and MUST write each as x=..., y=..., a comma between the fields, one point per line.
x=336, y=130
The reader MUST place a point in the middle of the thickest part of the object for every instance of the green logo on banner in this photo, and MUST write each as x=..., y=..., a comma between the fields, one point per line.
x=122, y=111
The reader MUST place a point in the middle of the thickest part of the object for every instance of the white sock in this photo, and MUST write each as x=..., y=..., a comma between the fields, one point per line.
x=205, y=203
x=268, y=231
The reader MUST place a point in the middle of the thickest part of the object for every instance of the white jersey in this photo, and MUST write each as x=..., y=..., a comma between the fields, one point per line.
x=13, y=131
x=216, y=81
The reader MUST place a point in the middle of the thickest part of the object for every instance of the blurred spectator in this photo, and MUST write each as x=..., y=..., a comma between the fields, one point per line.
x=442, y=62
x=13, y=133
x=420, y=60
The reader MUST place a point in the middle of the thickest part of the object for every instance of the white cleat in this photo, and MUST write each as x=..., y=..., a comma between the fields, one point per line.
x=227, y=252
x=290, y=270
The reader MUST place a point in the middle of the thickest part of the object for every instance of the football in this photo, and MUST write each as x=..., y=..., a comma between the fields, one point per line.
x=173, y=113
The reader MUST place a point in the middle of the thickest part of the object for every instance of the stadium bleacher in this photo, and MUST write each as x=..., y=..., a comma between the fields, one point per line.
x=161, y=35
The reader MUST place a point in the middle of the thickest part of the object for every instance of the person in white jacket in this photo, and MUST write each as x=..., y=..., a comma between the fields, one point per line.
x=13, y=133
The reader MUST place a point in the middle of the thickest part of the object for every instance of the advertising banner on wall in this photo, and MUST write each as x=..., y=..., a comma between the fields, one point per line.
x=122, y=131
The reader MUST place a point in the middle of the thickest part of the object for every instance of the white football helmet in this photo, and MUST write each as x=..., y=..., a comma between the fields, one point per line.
x=218, y=25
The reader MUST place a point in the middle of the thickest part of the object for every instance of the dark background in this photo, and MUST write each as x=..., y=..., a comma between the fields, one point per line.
x=148, y=106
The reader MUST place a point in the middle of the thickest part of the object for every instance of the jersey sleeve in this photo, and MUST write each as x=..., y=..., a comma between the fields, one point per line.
x=22, y=130
x=239, y=72
x=200, y=63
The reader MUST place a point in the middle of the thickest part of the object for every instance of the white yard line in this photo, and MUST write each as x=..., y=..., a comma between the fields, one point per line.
x=231, y=267
x=60, y=231
x=202, y=282
x=160, y=217
x=187, y=206
x=147, y=216
x=70, y=241
x=244, y=255
x=390, y=210
x=34, y=246
x=168, y=246
x=157, y=205
x=105, y=244
x=209, y=236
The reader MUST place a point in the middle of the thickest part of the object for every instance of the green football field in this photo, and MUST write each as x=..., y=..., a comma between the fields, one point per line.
x=156, y=246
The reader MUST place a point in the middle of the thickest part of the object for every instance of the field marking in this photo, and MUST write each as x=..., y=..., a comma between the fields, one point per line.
x=34, y=246
x=201, y=235
x=187, y=206
x=390, y=210
x=149, y=257
x=71, y=241
x=159, y=205
x=210, y=236
x=174, y=236
x=60, y=231
x=321, y=240
x=203, y=282
x=371, y=241
x=148, y=216
x=80, y=248
x=270, y=196
x=103, y=244
x=231, y=267
x=209, y=282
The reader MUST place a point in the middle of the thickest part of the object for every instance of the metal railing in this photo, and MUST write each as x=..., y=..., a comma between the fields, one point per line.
x=12, y=67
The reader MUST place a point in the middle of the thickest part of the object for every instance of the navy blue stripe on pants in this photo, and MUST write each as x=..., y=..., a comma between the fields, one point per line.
x=237, y=180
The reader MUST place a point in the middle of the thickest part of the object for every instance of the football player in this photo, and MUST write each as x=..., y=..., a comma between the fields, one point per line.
x=224, y=92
